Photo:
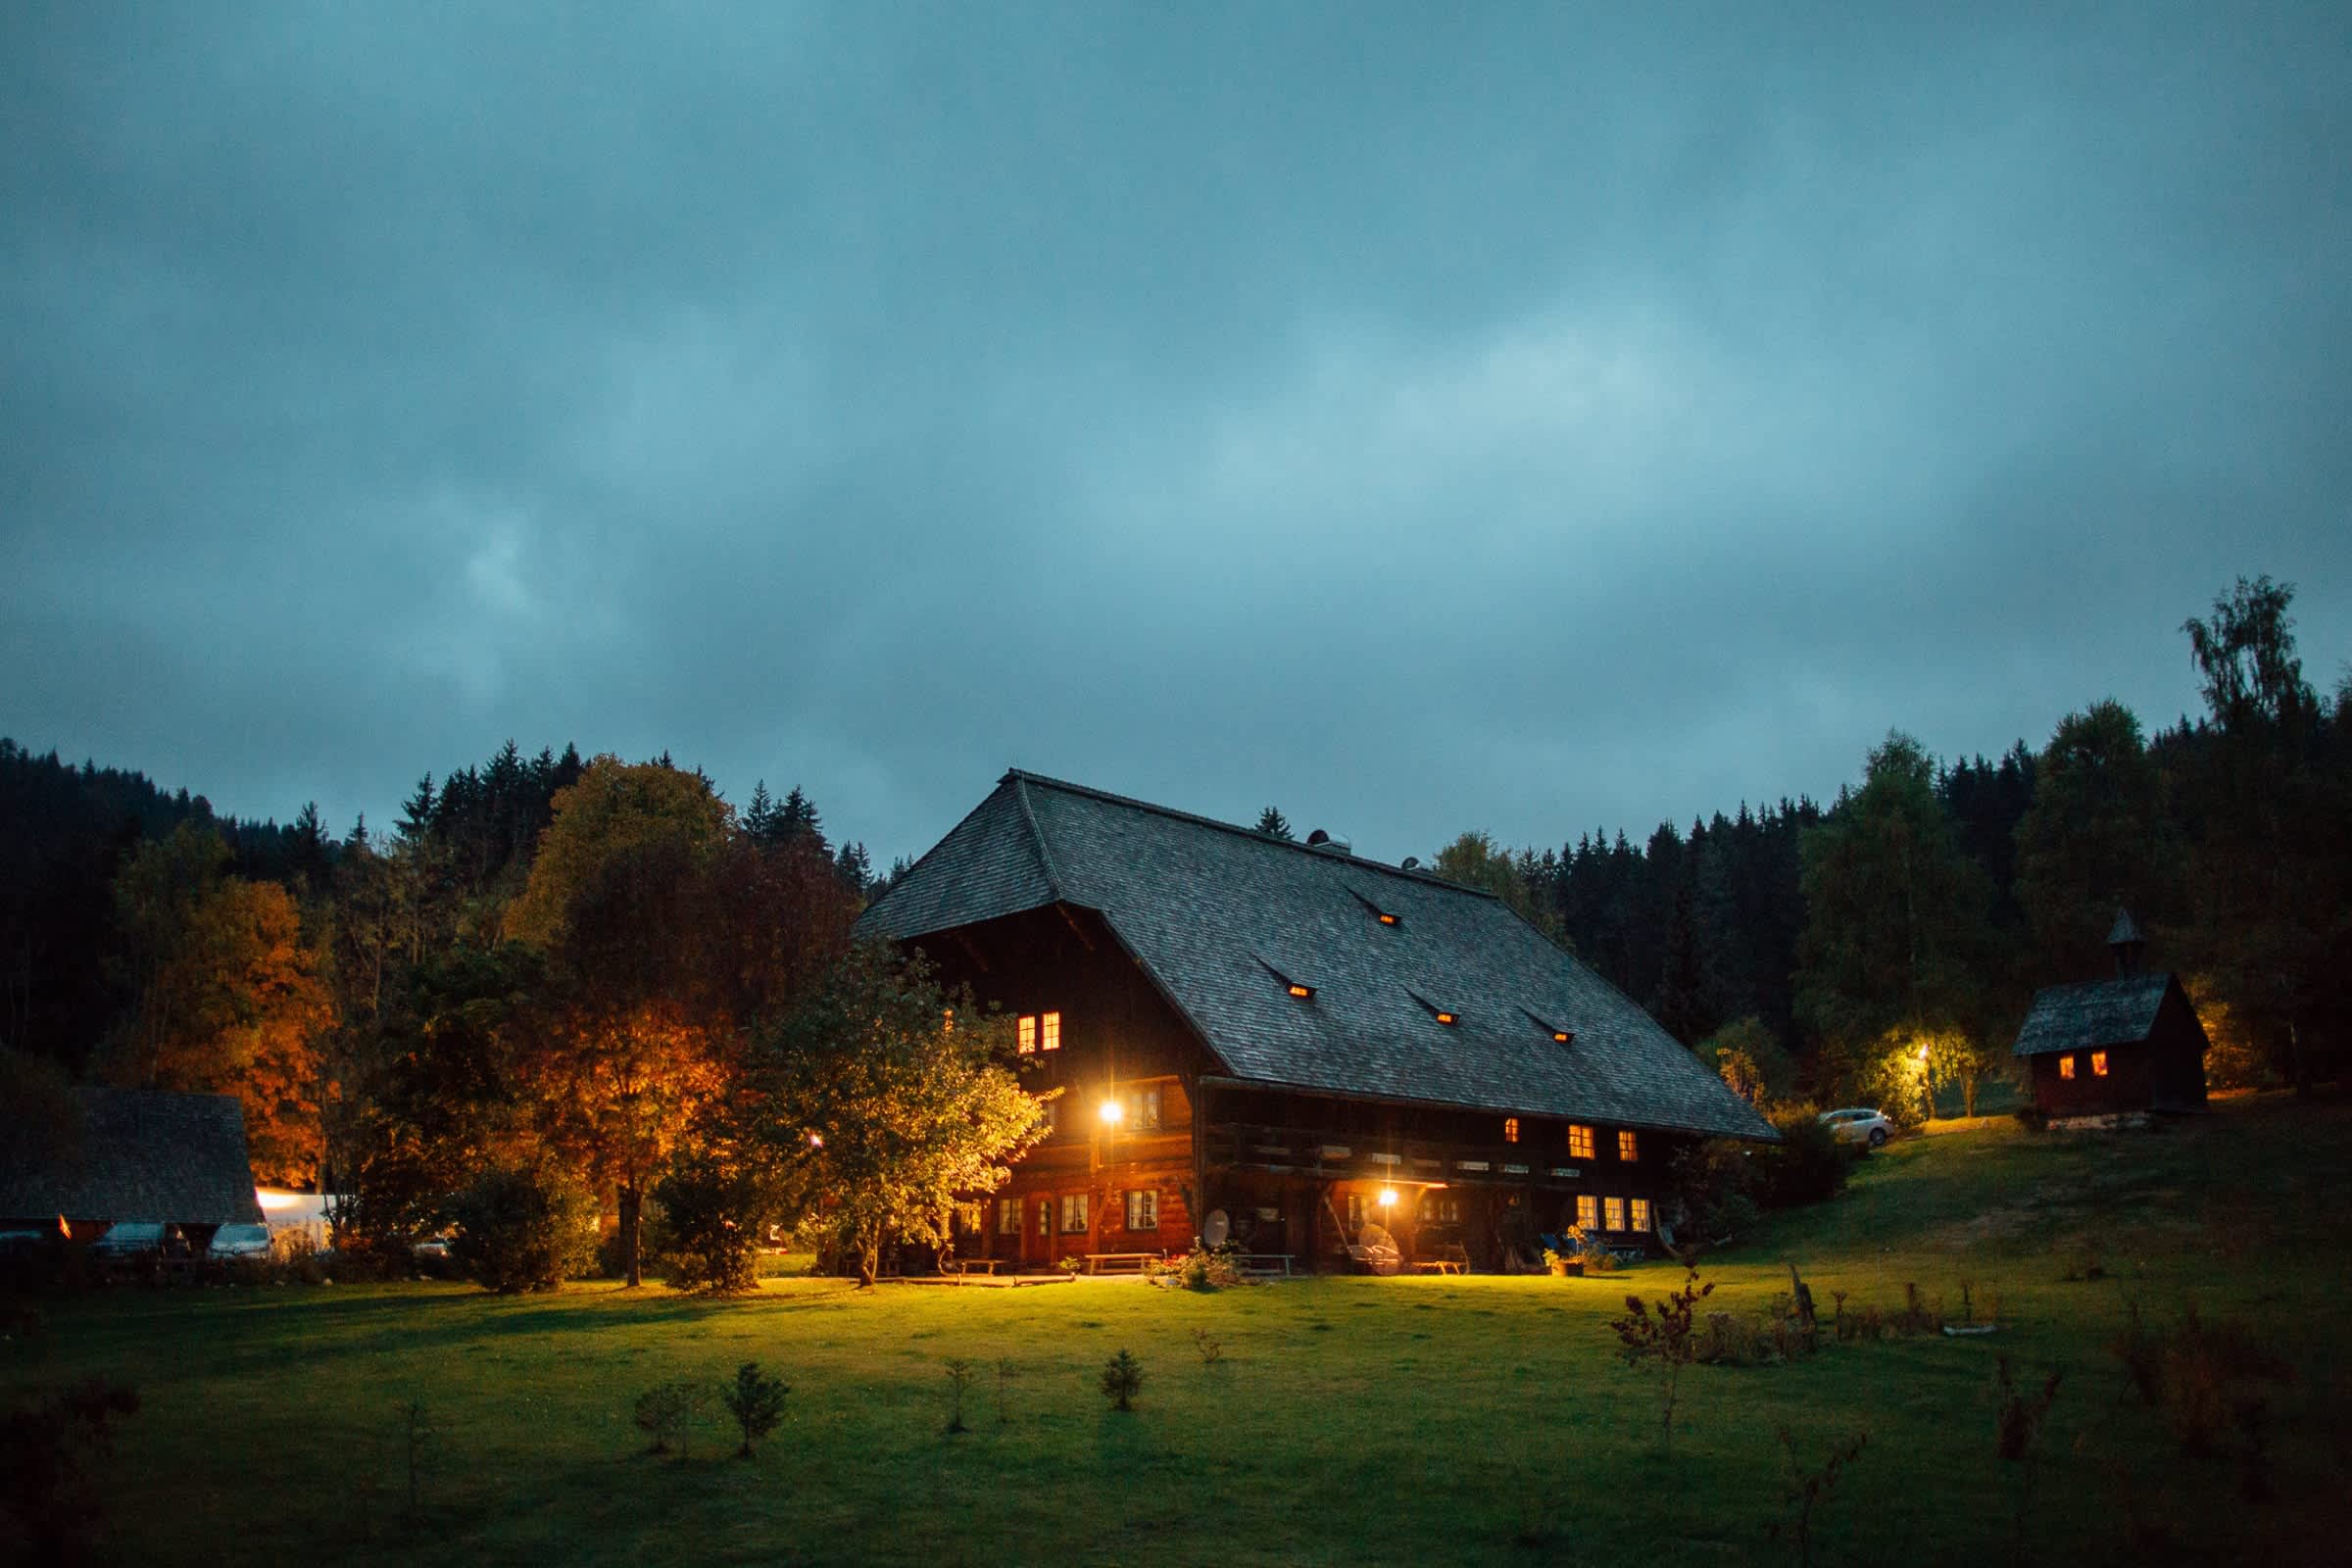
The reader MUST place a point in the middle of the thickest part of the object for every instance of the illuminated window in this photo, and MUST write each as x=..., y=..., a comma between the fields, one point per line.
x=1073, y=1214
x=1628, y=1147
x=1139, y=1109
x=1447, y=1018
x=1612, y=1212
x=1587, y=1211
x=1143, y=1211
x=1562, y=1035
x=1052, y=1029
x=1510, y=1128
x=1386, y=918
x=1641, y=1214
x=1052, y=1118
x=1027, y=1028
x=2066, y=1066
x=1580, y=1142
x=2098, y=1064
x=1009, y=1216
x=1033, y=1031
x=1441, y=1209
x=1300, y=991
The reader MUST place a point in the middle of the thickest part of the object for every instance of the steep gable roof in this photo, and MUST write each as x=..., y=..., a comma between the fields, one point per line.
x=1218, y=914
x=140, y=1154
x=2092, y=1012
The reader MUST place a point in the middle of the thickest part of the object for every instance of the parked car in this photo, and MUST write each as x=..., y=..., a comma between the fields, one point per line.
x=1859, y=1125
x=129, y=1241
x=240, y=1244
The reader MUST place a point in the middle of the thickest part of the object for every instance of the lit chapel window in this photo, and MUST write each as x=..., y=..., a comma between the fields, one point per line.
x=1073, y=1214
x=1641, y=1213
x=1510, y=1128
x=2065, y=1066
x=2098, y=1063
x=1587, y=1211
x=1613, y=1214
x=1580, y=1142
x=1628, y=1147
x=1143, y=1210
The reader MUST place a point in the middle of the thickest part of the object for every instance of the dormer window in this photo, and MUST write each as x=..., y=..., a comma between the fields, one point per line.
x=1298, y=989
x=1384, y=916
x=1448, y=1019
x=1445, y=1015
x=1559, y=1036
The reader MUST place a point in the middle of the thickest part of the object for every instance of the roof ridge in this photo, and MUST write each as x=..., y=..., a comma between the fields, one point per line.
x=1037, y=834
x=1410, y=873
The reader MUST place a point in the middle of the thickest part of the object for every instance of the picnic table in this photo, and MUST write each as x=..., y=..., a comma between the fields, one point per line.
x=1121, y=1262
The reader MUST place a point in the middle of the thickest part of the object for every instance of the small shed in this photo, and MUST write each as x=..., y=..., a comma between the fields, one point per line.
x=140, y=1154
x=2126, y=1043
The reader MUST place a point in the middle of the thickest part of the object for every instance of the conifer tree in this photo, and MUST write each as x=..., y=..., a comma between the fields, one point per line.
x=1273, y=824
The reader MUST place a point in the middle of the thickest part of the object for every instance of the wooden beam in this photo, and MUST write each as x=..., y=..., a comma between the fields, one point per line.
x=1076, y=930
x=970, y=951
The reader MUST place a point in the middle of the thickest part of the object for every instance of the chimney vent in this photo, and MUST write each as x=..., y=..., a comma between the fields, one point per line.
x=1320, y=840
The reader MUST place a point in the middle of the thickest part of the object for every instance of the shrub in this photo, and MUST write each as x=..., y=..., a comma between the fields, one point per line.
x=960, y=1379
x=523, y=1228
x=1200, y=1269
x=1808, y=1490
x=715, y=1208
x=50, y=1450
x=1714, y=1192
x=1662, y=1337
x=1807, y=1165
x=668, y=1411
x=757, y=1402
x=1122, y=1381
x=1211, y=1348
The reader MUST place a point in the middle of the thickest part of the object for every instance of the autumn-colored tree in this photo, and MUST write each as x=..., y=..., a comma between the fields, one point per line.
x=880, y=1109
x=1476, y=860
x=226, y=998
x=619, y=898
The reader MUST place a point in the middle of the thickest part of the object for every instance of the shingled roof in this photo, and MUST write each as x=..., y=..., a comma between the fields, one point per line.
x=139, y=1155
x=2093, y=1013
x=1219, y=916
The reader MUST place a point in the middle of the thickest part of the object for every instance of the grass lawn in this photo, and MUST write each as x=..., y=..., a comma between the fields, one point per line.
x=1477, y=1420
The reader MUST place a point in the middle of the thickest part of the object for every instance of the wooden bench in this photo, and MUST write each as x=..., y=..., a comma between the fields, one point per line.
x=965, y=1265
x=1270, y=1263
x=1121, y=1262
x=1436, y=1265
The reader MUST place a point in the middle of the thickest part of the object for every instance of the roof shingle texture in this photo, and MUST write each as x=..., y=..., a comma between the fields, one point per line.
x=2093, y=1012
x=1208, y=909
x=139, y=1155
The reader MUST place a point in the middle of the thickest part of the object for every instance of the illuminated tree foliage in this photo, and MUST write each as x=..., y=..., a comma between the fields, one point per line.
x=228, y=999
x=879, y=1107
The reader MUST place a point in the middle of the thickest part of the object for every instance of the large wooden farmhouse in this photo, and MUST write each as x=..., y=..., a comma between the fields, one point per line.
x=1283, y=1042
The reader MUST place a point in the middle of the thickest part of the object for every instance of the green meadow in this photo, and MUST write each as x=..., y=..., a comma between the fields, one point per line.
x=1471, y=1420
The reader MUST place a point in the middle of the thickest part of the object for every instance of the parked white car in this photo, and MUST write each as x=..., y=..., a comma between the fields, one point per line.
x=240, y=1243
x=1858, y=1125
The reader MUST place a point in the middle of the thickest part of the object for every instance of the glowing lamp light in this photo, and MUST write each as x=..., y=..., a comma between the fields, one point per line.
x=1301, y=991
x=1560, y=1036
x=1388, y=1197
x=1923, y=1054
x=817, y=1140
x=276, y=1200
x=1111, y=1114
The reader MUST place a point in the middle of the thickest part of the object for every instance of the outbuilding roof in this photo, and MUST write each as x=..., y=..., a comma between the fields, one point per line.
x=1219, y=915
x=2093, y=1012
x=143, y=1155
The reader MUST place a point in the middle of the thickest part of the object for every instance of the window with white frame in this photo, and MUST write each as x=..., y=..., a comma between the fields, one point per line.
x=1073, y=1214
x=1612, y=1213
x=1143, y=1209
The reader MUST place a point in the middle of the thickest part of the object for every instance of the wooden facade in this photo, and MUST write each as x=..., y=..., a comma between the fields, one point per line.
x=1296, y=1174
x=2132, y=1043
x=1303, y=1042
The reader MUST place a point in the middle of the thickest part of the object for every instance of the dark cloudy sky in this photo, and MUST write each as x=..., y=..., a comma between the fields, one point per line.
x=1528, y=417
